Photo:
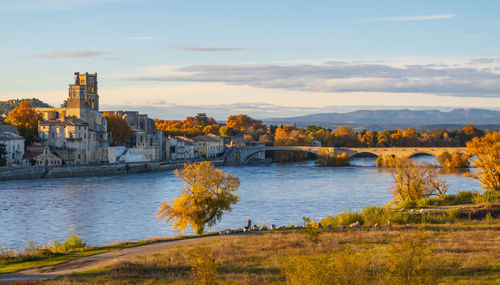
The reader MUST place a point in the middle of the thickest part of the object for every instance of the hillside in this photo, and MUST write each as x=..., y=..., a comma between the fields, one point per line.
x=9, y=105
x=381, y=119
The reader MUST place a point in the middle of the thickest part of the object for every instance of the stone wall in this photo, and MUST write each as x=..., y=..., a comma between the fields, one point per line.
x=39, y=172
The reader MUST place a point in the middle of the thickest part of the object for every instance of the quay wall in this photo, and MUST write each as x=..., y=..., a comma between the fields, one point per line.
x=64, y=171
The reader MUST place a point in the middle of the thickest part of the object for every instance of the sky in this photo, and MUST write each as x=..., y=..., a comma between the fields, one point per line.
x=172, y=59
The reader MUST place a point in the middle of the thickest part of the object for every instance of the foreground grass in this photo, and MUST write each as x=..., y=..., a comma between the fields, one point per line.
x=35, y=260
x=466, y=252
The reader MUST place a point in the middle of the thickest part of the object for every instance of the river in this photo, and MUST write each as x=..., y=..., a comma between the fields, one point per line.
x=116, y=208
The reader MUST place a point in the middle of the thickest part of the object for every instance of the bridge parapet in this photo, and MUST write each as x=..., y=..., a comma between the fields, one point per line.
x=241, y=154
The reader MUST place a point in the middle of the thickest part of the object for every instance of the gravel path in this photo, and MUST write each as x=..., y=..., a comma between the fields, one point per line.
x=102, y=259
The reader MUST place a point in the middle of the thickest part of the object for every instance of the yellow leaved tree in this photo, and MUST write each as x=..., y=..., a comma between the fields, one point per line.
x=26, y=118
x=207, y=194
x=485, y=152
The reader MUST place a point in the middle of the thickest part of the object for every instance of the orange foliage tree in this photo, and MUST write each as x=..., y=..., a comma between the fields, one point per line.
x=121, y=132
x=486, y=158
x=207, y=194
x=26, y=118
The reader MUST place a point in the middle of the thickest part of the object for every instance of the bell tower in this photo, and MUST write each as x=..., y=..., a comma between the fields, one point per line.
x=82, y=95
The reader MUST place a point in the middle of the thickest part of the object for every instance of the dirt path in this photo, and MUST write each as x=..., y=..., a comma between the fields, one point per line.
x=102, y=259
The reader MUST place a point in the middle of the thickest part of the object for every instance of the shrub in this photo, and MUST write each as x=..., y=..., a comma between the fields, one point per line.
x=313, y=231
x=203, y=265
x=410, y=261
x=73, y=242
x=343, y=219
x=374, y=215
x=486, y=199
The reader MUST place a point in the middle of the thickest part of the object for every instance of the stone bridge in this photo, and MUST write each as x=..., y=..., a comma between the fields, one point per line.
x=241, y=154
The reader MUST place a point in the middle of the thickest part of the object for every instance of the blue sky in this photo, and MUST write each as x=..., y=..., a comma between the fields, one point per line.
x=265, y=58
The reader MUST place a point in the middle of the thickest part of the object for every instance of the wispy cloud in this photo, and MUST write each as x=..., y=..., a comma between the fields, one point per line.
x=449, y=80
x=143, y=38
x=196, y=48
x=71, y=54
x=410, y=18
x=474, y=36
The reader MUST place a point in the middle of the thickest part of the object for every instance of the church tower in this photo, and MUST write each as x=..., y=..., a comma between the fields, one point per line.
x=82, y=96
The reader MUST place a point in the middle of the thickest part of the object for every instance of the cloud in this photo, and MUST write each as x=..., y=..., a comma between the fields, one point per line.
x=71, y=54
x=143, y=38
x=194, y=48
x=410, y=18
x=441, y=79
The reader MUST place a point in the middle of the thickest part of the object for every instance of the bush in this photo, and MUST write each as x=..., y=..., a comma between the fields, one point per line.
x=73, y=242
x=374, y=215
x=343, y=219
x=203, y=265
x=486, y=199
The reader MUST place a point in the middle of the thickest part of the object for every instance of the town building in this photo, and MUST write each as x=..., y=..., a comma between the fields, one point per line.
x=77, y=133
x=14, y=148
x=147, y=142
x=40, y=155
x=209, y=146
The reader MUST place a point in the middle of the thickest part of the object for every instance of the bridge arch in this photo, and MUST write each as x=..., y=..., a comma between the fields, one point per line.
x=422, y=153
x=365, y=154
x=253, y=152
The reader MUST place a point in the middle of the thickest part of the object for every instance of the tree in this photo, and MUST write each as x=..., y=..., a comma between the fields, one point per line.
x=226, y=131
x=26, y=118
x=207, y=194
x=121, y=132
x=242, y=122
x=414, y=180
x=3, y=152
x=485, y=153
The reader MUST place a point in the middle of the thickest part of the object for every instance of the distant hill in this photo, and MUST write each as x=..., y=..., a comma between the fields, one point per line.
x=9, y=105
x=384, y=119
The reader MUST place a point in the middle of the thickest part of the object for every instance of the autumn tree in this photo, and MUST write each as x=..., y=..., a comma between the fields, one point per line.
x=207, y=194
x=414, y=180
x=485, y=152
x=226, y=131
x=121, y=132
x=243, y=122
x=454, y=160
x=26, y=118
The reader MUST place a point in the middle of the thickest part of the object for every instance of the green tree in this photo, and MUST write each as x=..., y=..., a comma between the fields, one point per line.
x=3, y=152
x=26, y=118
x=486, y=158
x=207, y=194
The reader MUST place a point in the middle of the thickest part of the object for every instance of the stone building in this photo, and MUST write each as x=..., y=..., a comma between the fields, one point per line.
x=40, y=155
x=77, y=133
x=209, y=146
x=14, y=148
x=147, y=141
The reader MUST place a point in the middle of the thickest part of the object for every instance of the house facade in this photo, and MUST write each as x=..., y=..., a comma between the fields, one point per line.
x=14, y=148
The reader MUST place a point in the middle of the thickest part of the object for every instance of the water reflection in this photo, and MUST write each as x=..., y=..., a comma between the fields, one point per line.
x=107, y=209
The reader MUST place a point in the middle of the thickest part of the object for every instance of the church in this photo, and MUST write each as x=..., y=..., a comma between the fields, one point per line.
x=77, y=132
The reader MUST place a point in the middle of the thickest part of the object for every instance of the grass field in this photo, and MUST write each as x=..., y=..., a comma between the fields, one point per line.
x=466, y=252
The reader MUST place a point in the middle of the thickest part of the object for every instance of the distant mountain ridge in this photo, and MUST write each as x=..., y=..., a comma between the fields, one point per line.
x=376, y=119
x=9, y=105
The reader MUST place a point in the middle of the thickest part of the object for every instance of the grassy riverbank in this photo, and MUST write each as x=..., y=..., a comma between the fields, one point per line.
x=38, y=256
x=465, y=252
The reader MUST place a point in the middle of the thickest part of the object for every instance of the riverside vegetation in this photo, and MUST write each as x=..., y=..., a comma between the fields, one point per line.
x=393, y=244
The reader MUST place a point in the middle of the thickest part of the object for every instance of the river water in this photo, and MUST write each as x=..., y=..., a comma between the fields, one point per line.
x=117, y=208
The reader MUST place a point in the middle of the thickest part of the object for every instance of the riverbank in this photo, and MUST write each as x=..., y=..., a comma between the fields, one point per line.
x=90, y=258
x=66, y=171
x=465, y=252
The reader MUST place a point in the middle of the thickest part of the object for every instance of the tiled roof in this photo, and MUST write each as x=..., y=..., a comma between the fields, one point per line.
x=7, y=136
x=68, y=121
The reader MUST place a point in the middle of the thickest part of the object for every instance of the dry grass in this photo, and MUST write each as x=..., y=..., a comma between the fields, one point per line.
x=463, y=253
